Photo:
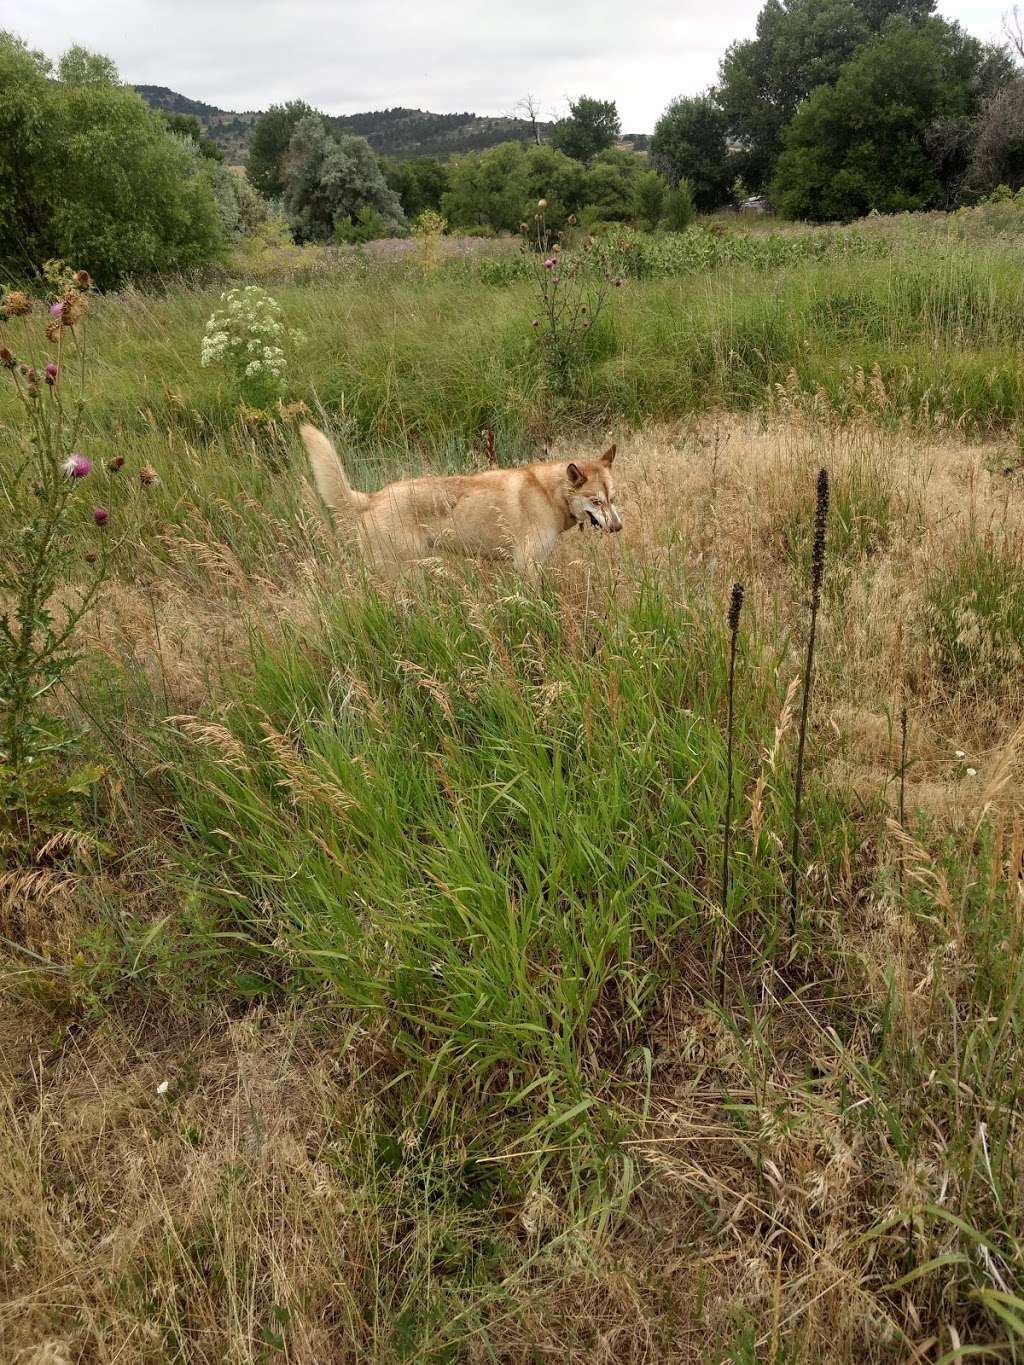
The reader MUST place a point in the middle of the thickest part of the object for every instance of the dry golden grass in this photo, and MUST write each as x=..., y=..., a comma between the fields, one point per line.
x=245, y=1184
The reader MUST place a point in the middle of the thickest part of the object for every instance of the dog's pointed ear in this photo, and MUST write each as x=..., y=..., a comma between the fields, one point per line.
x=608, y=455
x=576, y=476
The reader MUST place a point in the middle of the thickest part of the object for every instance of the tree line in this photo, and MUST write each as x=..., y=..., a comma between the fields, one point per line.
x=833, y=109
x=836, y=108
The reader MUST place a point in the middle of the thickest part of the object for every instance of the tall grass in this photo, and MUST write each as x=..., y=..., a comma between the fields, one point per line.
x=487, y=823
x=419, y=366
x=377, y=1016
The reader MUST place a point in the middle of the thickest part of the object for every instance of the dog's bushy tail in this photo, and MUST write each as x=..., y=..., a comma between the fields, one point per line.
x=328, y=474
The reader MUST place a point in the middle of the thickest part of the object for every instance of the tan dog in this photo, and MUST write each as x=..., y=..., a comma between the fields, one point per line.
x=515, y=514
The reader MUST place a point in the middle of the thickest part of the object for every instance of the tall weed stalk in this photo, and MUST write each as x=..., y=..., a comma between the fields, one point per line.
x=817, y=574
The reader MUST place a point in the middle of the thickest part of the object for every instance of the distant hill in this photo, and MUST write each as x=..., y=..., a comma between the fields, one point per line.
x=400, y=133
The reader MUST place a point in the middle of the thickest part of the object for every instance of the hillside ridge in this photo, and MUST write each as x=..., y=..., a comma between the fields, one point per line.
x=399, y=132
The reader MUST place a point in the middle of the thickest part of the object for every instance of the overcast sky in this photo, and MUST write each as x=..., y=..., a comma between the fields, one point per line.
x=345, y=56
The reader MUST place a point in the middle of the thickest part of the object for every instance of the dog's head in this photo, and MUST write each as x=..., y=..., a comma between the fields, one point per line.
x=591, y=493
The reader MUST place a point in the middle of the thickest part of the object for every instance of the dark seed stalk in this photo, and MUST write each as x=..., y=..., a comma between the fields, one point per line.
x=735, y=607
x=817, y=573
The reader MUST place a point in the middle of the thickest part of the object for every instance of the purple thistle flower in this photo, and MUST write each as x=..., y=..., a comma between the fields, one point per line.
x=77, y=466
x=99, y=515
x=51, y=370
x=549, y=263
x=56, y=310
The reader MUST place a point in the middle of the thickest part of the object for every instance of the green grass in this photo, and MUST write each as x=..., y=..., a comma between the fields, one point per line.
x=493, y=825
x=975, y=616
x=930, y=331
x=436, y=865
x=482, y=828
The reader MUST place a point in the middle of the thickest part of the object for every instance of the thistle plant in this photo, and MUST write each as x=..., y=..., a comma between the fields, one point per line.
x=733, y=620
x=46, y=489
x=245, y=336
x=574, y=286
x=817, y=574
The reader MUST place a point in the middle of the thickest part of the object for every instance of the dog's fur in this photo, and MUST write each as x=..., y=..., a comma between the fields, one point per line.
x=514, y=514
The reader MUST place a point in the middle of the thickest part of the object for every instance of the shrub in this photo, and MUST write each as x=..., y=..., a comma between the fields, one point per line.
x=500, y=187
x=679, y=209
x=95, y=175
x=329, y=182
x=420, y=183
x=611, y=184
x=367, y=226
x=649, y=200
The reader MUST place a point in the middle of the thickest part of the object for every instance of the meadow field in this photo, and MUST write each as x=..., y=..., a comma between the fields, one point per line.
x=373, y=995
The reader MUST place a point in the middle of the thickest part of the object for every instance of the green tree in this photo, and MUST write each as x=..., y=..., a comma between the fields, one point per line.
x=188, y=126
x=592, y=126
x=799, y=45
x=420, y=183
x=547, y=173
x=79, y=66
x=91, y=175
x=27, y=191
x=649, y=200
x=863, y=143
x=331, y=182
x=242, y=212
x=268, y=144
x=689, y=143
x=610, y=185
x=499, y=188
x=679, y=212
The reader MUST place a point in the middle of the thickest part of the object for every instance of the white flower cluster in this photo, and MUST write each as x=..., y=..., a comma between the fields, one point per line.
x=245, y=333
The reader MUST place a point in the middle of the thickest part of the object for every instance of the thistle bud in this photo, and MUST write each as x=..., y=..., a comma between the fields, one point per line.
x=116, y=463
x=6, y=359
